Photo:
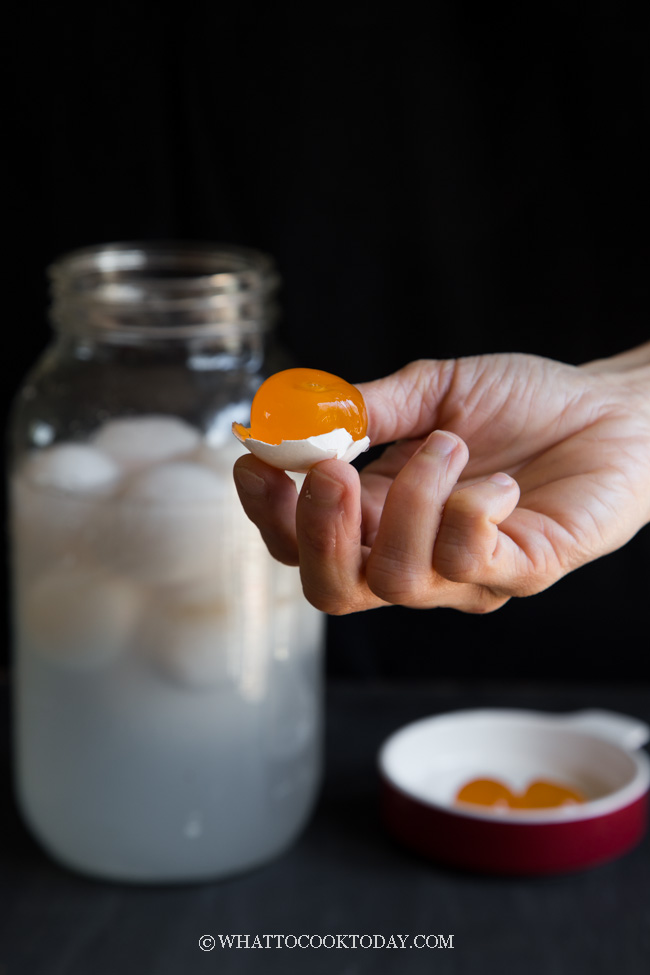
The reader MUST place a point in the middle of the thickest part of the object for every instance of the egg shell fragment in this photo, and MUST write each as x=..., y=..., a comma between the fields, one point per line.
x=300, y=455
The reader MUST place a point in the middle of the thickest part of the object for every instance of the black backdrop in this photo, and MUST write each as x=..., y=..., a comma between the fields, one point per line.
x=474, y=185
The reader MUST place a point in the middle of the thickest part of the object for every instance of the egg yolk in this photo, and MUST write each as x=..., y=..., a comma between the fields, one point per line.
x=298, y=403
x=539, y=795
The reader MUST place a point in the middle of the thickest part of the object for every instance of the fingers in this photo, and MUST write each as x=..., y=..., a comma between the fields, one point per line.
x=269, y=498
x=405, y=404
x=435, y=545
x=328, y=528
x=342, y=575
x=470, y=547
x=399, y=566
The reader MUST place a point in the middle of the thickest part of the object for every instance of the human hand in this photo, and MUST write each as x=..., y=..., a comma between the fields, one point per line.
x=533, y=468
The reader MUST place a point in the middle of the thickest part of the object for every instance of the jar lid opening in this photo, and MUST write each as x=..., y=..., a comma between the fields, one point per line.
x=162, y=286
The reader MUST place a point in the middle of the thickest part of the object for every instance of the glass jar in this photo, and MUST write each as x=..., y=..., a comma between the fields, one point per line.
x=167, y=671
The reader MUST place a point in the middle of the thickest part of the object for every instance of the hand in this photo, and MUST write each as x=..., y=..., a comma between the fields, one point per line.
x=533, y=468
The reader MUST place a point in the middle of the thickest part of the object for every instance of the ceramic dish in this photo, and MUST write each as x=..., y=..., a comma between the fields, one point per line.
x=423, y=765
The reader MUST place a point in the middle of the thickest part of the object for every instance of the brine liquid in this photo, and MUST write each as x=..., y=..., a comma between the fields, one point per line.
x=167, y=673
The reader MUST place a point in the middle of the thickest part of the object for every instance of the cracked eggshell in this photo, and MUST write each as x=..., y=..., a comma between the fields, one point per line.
x=300, y=455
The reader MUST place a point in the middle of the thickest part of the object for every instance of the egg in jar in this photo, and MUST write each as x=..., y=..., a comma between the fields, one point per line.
x=302, y=416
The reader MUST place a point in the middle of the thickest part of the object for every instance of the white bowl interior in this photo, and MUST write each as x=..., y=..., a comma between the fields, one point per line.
x=433, y=758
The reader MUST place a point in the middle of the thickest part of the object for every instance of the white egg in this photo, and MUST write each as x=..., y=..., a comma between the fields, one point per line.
x=55, y=495
x=139, y=441
x=71, y=467
x=300, y=455
x=197, y=591
x=196, y=648
x=78, y=617
x=220, y=459
x=46, y=526
x=166, y=526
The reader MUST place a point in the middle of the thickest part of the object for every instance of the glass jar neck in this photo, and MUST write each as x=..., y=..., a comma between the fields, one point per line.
x=212, y=299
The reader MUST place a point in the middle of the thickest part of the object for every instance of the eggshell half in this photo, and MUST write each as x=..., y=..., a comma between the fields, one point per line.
x=300, y=455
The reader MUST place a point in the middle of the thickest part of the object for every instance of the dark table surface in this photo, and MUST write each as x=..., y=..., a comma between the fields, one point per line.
x=344, y=876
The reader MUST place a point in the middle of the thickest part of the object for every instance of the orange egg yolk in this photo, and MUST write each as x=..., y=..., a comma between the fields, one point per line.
x=539, y=795
x=298, y=403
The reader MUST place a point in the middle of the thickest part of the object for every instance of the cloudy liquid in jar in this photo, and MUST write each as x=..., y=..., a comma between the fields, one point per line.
x=168, y=711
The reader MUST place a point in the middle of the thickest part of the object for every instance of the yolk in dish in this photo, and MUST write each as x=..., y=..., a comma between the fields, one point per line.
x=298, y=403
x=539, y=795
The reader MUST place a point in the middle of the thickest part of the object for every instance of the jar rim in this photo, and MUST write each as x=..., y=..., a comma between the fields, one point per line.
x=222, y=267
x=162, y=286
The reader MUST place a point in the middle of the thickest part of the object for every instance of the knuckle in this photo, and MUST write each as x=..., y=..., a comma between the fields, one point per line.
x=327, y=601
x=531, y=585
x=392, y=581
x=485, y=601
x=456, y=562
x=320, y=538
x=460, y=570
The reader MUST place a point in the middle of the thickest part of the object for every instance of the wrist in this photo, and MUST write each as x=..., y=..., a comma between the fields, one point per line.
x=627, y=377
x=632, y=360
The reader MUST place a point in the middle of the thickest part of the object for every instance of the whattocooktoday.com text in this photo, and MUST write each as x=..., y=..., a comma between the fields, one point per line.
x=332, y=942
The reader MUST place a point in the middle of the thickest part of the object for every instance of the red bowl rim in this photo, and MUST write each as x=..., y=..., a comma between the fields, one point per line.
x=612, y=802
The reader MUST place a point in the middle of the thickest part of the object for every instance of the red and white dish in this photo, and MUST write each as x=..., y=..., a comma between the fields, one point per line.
x=423, y=765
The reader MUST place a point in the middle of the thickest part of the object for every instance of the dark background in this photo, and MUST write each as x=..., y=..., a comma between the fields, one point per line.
x=476, y=185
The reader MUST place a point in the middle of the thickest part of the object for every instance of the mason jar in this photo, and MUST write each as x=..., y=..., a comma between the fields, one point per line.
x=167, y=672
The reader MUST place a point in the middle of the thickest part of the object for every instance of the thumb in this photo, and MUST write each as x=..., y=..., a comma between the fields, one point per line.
x=406, y=403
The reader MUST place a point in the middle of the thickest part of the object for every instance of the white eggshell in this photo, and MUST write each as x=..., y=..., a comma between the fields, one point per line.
x=79, y=618
x=196, y=648
x=220, y=459
x=197, y=591
x=166, y=526
x=46, y=526
x=300, y=455
x=139, y=441
x=71, y=467
x=54, y=498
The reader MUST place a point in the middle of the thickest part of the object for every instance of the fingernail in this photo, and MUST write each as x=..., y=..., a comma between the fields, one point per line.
x=250, y=483
x=323, y=489
x=440, y=444
x=503, y=480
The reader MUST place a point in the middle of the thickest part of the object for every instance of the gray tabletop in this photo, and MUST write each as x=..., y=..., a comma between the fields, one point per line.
x=344, y=883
